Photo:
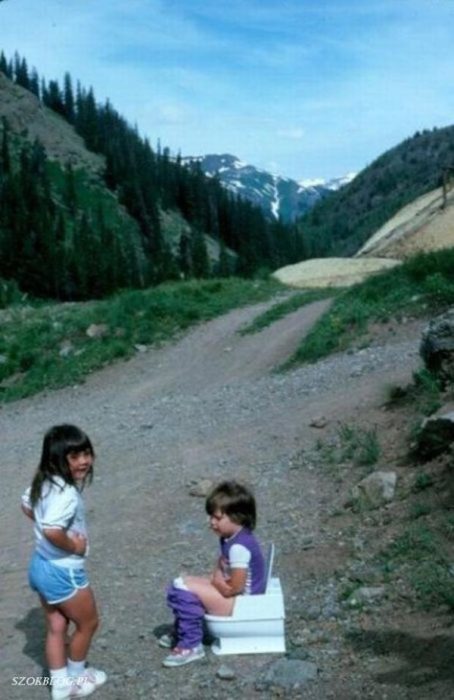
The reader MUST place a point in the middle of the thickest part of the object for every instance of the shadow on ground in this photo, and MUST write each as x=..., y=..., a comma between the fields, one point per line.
x=426, y=659
x=33, y=626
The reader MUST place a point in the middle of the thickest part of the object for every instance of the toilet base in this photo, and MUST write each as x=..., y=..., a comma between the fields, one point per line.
x=248, y=645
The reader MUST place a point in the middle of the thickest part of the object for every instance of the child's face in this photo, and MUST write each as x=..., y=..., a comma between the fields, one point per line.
x=79, y=464
x=222, y=525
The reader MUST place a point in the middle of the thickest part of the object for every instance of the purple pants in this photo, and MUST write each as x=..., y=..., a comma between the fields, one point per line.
x=188, y=612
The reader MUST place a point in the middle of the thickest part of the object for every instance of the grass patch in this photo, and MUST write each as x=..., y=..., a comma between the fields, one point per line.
x=283, y=308
x=359, y=445
x=351, y=444
x=424, y=394
x=46, y=346
x=419, y=510
x=416, y=543
x=422, y=556
x=423, y=284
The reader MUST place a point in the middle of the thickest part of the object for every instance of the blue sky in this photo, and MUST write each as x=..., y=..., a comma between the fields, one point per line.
x=304, y=88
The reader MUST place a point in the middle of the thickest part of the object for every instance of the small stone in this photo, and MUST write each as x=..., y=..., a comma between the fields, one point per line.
x=318, y=422
x=97, y=330
x=66, y=349
x=225, y=673
x=201, y=489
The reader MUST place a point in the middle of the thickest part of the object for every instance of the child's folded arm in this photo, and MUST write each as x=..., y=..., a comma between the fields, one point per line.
x=74, y=543
x=232, y=586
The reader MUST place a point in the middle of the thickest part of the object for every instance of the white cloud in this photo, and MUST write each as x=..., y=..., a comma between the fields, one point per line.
x=167, y=114
x=292, y=133
x=240, y=76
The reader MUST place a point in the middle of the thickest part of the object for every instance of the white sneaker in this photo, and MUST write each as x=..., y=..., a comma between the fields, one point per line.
x=67, y=688
x=93, y=675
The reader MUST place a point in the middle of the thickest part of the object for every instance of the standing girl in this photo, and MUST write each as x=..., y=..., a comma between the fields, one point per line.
x=240, y=570
x=56, y=570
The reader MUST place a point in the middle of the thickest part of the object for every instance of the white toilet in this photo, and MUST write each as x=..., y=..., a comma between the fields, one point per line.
x=256, y=625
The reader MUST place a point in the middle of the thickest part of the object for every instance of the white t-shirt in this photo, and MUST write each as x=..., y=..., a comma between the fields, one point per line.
x=239, y=556
x=59, y=507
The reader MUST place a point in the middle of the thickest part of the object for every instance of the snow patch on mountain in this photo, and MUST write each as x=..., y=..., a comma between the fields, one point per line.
x=280, y=197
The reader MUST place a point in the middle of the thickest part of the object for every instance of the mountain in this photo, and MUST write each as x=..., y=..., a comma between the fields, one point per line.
x=340, y=224
x=279, y=197
x=87, y=207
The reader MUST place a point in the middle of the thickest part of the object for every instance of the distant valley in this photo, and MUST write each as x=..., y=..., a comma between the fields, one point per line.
x=279, y=197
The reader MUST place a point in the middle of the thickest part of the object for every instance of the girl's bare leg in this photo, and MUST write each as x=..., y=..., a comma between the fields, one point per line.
x=57, y=627
x=81, y=609
x=213, y=602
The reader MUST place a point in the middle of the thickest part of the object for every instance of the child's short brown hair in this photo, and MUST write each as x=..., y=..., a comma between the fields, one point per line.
x=235, y=500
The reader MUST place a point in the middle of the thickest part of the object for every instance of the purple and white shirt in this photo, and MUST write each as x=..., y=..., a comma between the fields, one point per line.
x=242, y=551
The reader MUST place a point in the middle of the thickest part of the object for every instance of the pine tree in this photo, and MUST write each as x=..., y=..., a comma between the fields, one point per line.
x=53, y=98
x=185, y=255
x=70, y=193
x=223, y=266
x=5, y=66
x=34, y=84
x=21, y=74
x=5, y=154
x=68, y=99
x=200, y=260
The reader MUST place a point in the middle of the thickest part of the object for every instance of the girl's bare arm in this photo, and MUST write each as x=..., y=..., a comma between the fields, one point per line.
x=28, y=512
x=73, y=543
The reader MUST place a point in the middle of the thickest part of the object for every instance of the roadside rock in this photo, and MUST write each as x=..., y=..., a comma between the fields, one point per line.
x=375, y=490
x=287, y=675
x=201, y=489
x=435, y=437
x=437, y=346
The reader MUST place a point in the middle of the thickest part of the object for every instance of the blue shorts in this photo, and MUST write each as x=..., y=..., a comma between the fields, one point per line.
x=55, y=583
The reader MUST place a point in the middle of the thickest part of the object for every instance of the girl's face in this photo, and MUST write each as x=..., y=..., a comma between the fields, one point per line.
x=222, y=525
x=79, y=464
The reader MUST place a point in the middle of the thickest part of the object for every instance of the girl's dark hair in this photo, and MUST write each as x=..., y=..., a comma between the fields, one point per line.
x=235, y=500
x=58, y=442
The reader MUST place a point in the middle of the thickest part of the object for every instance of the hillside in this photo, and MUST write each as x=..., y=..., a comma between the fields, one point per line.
x=80, y=171
x=423, y=225
x=30, y=119
x=345, y=220
x=63, y=234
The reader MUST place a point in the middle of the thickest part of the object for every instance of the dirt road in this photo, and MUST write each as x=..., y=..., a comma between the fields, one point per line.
x=205, y=407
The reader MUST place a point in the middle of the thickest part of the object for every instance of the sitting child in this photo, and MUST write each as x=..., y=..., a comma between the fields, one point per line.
x=240, y=570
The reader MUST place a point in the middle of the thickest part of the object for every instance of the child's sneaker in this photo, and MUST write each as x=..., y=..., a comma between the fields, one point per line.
x=167, y=641
x=180, y=657
x=68, y=688
x=94, y=675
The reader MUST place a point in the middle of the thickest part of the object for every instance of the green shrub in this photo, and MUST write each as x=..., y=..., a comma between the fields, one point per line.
x=423, y=481
x=423, y=284
x=32, y=339
x=418, y=510
x=10, y=294
x=434, y=584
x=416, y=543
